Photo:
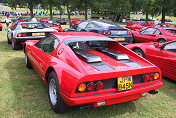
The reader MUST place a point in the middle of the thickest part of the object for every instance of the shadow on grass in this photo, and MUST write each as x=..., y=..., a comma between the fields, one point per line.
x=5, y=47
x=31, y=97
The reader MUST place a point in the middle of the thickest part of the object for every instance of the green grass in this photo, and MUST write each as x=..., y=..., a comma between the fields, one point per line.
x=23, y=94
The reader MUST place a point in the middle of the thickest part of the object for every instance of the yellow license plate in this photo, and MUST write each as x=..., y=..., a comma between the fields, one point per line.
x=38, y=34
x=119, y=39
x=125, y=83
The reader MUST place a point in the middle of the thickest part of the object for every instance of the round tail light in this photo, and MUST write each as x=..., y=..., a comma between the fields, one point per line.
x=156, y=76
x=23, y=34
x=81, y=87
x=104, y=32
x=99, y=85
x=146, y=78
x=19, y=34
x=90, y=86
x=109, y=33
x=151, y=77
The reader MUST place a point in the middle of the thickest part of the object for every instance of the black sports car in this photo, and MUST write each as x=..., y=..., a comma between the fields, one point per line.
x=120, y=34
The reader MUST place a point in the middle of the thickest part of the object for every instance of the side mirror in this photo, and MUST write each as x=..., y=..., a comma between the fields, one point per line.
x=157, y=45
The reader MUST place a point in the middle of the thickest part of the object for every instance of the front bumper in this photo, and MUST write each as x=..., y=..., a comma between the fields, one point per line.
x=111, y=98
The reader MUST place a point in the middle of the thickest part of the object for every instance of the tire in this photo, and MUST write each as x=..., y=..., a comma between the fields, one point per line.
x=55, y=99
x=139, y=52
x=15, y=46
x=28, y=65
x=133, y=39
x=8, y=40
x=161, y=41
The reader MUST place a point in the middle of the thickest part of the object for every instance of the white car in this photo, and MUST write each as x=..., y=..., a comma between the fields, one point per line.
x=24, y=31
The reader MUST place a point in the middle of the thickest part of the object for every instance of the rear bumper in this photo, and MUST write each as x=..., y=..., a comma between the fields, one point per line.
x=128, y=39
x=110, y=98
x=21, y=40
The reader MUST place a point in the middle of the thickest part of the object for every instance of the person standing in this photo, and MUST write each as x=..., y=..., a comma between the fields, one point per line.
x=7, y=22
x=33, y=19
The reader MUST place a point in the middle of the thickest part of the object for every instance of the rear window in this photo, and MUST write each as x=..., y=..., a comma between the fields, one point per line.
x=33, y=25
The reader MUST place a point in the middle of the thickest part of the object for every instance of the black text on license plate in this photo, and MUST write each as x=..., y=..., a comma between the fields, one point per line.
x=125, y=83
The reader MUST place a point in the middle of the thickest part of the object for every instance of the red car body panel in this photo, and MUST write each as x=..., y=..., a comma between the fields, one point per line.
x=131, y=27
x=133, y=22
x=1, y=26
x=74, y=22
x=71, y=71
x=143, y=37
x=43, y=20
x=165, y=60
x=55, y=26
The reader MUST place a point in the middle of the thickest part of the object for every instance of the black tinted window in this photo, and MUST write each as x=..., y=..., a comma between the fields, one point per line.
x=157, y=32
x=48, y=44
x=170, y=47
x=149, y=31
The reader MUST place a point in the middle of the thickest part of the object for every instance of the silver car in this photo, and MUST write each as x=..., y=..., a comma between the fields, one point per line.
x=24, y=31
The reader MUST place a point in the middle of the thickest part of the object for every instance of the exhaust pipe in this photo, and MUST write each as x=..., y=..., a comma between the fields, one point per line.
x=85, y=106
x=153, y=92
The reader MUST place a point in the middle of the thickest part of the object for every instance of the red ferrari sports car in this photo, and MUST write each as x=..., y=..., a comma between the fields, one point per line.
x=54, y=25
x=163, y=56
x=155, y=34
x=43, y=20
x=132, y=23
x=86, y=68
x=134, y=27
x=75, y=21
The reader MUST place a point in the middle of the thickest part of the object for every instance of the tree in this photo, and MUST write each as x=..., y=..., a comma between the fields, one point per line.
x=164, y=6
x=50, y=4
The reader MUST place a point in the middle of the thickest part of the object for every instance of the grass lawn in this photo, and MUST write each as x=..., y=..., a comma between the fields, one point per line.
x=23, y=94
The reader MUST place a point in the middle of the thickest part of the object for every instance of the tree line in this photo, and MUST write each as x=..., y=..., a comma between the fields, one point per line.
x=148, y=7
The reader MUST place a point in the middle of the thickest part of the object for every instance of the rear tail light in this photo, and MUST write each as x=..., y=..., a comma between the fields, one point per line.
x=99, y=85
x=104, y=32
x=156, y=76
x=81, y=87
x=108, y=32
x=21, y=34
x=151, y=76
x=146, y=78
x=129, y=32
x=90, y=86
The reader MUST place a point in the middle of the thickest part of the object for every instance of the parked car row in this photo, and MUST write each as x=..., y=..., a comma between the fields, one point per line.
x=90, y=63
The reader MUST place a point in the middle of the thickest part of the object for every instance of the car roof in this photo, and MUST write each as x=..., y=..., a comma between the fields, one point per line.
x=77, y=34
x=104, y=25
